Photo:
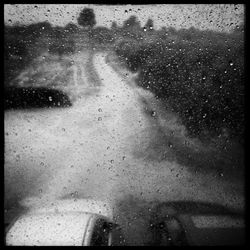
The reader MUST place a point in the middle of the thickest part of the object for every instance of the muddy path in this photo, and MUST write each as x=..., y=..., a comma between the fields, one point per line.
x=109, y=145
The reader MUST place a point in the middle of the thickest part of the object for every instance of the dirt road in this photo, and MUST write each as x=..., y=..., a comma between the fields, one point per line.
x=103, y=147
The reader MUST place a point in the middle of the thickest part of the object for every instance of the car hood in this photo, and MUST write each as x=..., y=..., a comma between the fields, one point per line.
x=40, y=229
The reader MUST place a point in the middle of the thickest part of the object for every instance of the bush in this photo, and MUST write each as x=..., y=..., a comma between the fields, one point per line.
x=199, y=73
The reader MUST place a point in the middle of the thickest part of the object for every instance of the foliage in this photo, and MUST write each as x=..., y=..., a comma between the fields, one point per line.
x=87, y=18
x=22, y=44
x=102, y=35
x=131, y=22
x=149, y=25
x=199, y=73
x=71, y=28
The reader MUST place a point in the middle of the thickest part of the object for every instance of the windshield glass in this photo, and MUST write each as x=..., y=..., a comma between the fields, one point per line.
x=135, y=106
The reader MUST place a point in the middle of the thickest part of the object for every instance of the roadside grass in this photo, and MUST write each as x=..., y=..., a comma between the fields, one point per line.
x=218, y=154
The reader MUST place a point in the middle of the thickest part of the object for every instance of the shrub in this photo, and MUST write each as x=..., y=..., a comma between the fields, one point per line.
x=199, y=73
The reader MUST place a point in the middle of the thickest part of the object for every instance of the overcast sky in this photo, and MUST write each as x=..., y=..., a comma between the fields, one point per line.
x=214, y=16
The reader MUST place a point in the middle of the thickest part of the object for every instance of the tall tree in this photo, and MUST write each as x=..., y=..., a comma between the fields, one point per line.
x=131, y=22
x=86, y=18
x=150, y=24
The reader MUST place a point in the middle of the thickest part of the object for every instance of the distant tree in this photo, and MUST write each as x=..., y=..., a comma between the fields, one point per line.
x=171, y=30
x=37, y=29
x=87, y=18
x=149, y=25
x=132, y=22
x=114, y=25
x=71, y=27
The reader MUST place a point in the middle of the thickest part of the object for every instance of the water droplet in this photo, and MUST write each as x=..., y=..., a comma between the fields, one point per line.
x=112, y=161
x=100, y=110
x=170, y=144
x=153, y=113
x=221, y=174
x=99, y=118
x=161, y=225
x=123, y=157
x=50, y=98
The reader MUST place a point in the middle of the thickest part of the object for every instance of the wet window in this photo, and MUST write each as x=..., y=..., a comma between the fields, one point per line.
x=130, y=112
